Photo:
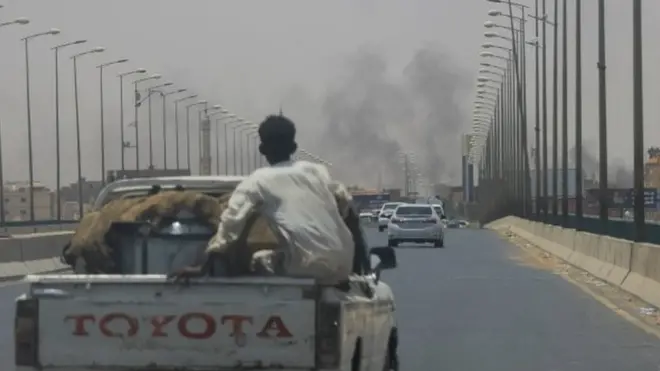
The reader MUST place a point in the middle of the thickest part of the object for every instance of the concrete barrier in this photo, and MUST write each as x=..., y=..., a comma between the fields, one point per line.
x=32, y=254
x=634, y=267
x=644, y=277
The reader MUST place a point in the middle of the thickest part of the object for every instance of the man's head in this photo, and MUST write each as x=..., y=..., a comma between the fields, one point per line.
x=278, y=139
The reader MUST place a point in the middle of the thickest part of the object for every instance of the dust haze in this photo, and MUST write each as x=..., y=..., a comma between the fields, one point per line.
x=370, y=114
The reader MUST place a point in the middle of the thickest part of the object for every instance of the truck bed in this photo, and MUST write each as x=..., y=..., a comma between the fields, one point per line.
x=143, y=322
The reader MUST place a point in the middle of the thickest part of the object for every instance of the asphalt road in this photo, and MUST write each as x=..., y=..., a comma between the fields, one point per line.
x=471, y=307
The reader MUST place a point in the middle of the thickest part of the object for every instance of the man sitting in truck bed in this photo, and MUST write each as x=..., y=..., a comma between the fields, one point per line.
x=298, y=201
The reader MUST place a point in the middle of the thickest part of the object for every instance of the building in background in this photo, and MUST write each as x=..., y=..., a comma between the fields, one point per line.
x=69, y=197
x=17, y=201
x=652, y=169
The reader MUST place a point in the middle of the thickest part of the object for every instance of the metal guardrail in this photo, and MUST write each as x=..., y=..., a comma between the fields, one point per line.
x=616, y=227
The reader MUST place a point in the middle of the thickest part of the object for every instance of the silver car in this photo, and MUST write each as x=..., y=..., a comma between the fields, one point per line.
x=415, y=223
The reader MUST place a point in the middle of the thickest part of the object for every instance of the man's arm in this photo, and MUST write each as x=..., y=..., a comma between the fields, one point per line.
x=244, y=201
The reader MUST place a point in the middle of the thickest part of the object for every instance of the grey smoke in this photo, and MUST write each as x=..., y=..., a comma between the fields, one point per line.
x=369, y=116
x=619, y=174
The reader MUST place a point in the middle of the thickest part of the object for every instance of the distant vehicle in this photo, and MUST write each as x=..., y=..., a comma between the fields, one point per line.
x=415, y=223
x=453, y=223
x=440, y=210
x=366, y=217
x=385, y=214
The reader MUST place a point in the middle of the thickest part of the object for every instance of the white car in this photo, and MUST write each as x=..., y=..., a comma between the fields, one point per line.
x=440, y=210
x=415, y=223
x=385, y=214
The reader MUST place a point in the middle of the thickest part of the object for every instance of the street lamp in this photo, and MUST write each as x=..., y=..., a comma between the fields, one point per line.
x=52, y=31
x=240, y=124
x=150, y=91
x=19, y=21
x=101, y=67
x=188, y=107
x=137, y=104
x=164, y=99
x=240, y=146
x=124, y=143
x=75, y=57
x=58, y=164
x=230, y=118
x=176, y=125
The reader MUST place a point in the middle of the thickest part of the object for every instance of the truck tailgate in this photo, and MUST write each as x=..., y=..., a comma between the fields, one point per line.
x=224, y=323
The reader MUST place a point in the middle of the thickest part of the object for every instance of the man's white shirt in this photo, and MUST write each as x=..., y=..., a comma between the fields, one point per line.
x=298, y=200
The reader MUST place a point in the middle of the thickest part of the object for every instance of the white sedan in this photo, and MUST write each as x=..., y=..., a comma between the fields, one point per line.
x=415, y=223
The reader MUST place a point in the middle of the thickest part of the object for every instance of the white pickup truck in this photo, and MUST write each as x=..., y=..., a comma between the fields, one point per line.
x=141, y=321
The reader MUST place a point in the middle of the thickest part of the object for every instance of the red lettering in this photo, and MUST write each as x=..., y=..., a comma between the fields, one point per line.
x=131, y=321
x=209, y=322
x=275, y=323
x=236, y=323
x=159, y=323
x=79, y=327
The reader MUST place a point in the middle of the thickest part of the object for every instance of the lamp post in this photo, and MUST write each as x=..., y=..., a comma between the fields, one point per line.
x=521, y=94
x=578, y=114
x=176, y=126
x=58, y=162
x=543, y=18
x=164, y=99
x=217, y=137
x=150, y=91
x=231, y=119
x=52, y=31
x=188, y=107
x=204, y=138
x=18, y=21
x=78, y=151
x=638, y=124
x=602, y=121
x=124, y=143
x=240, y=124
x=101, y=67
x=240, y=146
x=137, y=105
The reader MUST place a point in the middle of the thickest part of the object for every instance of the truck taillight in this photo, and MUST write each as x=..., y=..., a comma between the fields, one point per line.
x=25, y=332
x=328, y=341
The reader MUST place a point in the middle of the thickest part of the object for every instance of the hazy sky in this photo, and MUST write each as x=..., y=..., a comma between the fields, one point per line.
x=363, y=79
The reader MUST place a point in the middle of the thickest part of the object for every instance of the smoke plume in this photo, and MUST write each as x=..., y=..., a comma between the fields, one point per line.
x=368, y=118
x=619, y=175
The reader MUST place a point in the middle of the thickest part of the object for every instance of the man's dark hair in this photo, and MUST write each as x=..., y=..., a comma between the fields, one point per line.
x=278, y=136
